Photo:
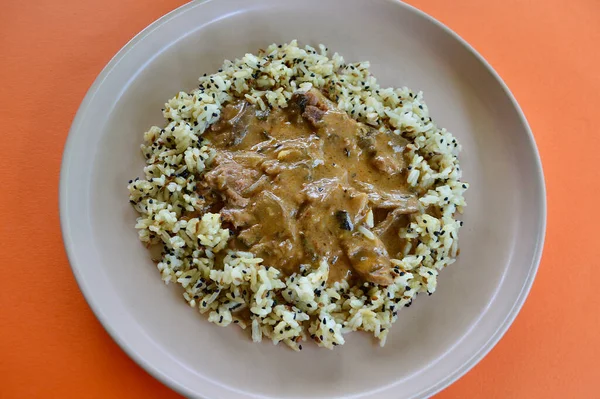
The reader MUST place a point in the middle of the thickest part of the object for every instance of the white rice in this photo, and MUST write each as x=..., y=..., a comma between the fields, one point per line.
x=176, y=156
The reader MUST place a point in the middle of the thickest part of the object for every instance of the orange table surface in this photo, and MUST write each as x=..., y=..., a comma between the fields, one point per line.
x=52, y=346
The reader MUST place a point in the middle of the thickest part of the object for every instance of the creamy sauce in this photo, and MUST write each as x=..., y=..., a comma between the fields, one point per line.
x=295, y=184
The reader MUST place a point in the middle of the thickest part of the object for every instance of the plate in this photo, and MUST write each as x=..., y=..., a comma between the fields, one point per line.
x=436, y=340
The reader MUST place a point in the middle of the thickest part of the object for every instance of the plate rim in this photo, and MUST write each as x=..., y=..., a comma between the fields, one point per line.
x=186, y=391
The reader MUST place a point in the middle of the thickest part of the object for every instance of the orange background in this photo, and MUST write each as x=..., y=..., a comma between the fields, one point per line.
x=52, y=346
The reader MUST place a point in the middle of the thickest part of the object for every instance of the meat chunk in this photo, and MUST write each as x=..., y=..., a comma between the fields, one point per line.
x=388, y=230
x=386, y=164
x=401, y=202
x=237, y=217
x=273, y=234
x=229, y=179
x=313, y=114
x=328, y=212
x=317, y=210
x=369, y=258
x=333, y=197
x=378, y=148
x=311, y=97
x=311, y=105
x=389, y=223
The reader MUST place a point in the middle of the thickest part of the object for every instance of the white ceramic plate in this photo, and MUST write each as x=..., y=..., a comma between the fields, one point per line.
x=435, y=341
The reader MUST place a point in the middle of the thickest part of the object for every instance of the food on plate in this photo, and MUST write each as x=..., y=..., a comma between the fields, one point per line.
x=294, y=196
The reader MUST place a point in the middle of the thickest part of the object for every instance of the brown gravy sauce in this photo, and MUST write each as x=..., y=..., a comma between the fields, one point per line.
x=294, y=185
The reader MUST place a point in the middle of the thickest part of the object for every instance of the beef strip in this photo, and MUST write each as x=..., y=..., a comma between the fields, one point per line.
x=273, y=233
x=388, y=231
x=313, y=114
x=369, y=258
x=377, y=147
x=229, y=179
x=391, y=199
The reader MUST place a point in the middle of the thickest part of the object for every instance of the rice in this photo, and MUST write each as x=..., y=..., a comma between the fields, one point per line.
x=244, y=291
